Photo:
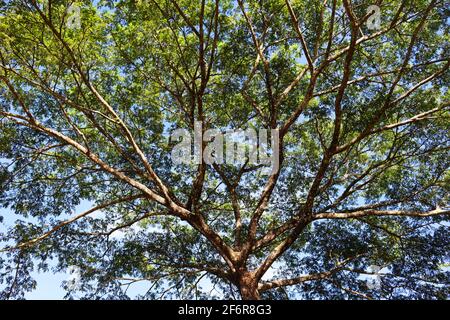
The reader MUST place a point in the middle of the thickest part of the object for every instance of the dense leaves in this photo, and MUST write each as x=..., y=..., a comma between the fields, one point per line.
x=363, y=118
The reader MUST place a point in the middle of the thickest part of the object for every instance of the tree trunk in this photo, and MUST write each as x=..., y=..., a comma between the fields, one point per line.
x=248, y=287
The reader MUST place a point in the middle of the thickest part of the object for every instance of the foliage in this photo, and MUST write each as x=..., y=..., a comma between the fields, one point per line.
x=363, y=118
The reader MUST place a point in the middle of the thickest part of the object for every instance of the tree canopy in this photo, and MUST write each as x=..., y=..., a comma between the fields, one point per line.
x=363, y=121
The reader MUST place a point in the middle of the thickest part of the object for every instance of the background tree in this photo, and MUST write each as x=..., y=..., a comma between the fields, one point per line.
x=364, y=128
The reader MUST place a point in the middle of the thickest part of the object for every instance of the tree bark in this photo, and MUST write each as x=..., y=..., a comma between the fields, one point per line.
x=248, y=287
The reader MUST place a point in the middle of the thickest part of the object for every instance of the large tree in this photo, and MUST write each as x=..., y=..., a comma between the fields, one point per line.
x=363, y=120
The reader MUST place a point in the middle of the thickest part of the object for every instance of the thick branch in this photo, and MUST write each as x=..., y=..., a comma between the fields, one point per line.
x=365, y=213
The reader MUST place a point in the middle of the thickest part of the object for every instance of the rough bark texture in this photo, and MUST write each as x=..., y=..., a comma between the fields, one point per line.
x=248, y=286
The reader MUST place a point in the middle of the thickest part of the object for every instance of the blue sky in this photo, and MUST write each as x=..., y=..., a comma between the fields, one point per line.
x=49, y=284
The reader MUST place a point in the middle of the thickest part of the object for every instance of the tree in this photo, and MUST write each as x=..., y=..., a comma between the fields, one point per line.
x=363, y=122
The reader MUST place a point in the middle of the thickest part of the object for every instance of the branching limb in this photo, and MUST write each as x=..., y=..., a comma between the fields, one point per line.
x=365, y=213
